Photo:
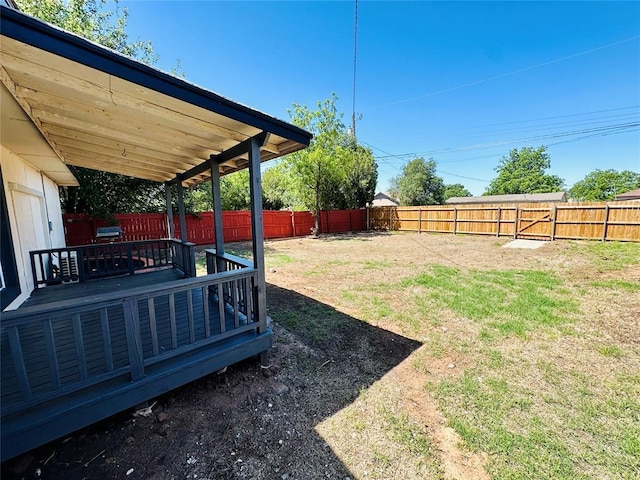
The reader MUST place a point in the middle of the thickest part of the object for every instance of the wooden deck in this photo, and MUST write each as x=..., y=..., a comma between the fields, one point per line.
x=74, y=354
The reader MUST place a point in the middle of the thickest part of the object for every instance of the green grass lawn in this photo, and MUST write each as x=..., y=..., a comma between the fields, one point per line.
x=545, y=391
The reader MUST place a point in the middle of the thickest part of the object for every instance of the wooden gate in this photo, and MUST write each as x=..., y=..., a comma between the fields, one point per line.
x=534, y=223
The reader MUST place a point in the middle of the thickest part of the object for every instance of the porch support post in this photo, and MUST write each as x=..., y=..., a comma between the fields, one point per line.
x=183, y=217
x=257, y=232
x=170, y=226
x=217, y=216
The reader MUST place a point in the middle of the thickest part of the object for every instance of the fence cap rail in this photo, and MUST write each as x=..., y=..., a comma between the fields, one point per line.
x=94, y=302
x=234, y=258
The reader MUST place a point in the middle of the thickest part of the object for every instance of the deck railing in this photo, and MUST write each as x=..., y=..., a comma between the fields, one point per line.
x=87, y=262
x=57, y=349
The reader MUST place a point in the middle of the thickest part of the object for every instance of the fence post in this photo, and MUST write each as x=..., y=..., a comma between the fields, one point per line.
x=455, y=220
x=419, y=219
x=498, y=226
x=606, y=222
x=553, y=222
x=390, y=220
x=515, y=224
x=368, y=210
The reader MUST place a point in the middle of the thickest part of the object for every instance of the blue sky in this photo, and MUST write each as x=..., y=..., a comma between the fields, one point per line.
x=461, y=82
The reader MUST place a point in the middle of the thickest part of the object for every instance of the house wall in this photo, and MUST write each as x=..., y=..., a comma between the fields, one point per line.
x=35, y=215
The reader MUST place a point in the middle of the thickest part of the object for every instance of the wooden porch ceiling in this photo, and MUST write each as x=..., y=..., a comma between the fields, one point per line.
x=101, y=110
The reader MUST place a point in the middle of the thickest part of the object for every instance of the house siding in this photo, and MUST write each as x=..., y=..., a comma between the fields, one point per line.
x=35, y=215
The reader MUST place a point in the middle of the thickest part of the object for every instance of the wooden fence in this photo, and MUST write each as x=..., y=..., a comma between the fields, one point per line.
x=536, y=221
x=80, y=229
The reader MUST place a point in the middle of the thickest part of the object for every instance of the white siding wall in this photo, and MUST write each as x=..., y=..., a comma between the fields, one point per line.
x=34, y=214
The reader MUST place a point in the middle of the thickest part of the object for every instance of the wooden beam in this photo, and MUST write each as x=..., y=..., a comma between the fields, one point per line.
x=257, y=231
x=121, y=159
x=182, y=214
x=116, y=149
x=46, y=78
x=170, y=226
x=91, y=162
x=91, y=119
x=176, y=153
x=217, y=216
x=8, y=82
x=230, y=154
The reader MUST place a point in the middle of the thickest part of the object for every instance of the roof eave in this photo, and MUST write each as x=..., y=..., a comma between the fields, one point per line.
x=46, y=37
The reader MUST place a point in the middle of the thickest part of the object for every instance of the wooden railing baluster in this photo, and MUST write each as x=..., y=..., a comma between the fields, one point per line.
x=205, y=306
x=192, y=333
x=172, y=321
x=151, y=305
x=50, y=345
x=18, y=362
x=106, y=339
x=134, y=340
x=223, y=326
x=79, y=344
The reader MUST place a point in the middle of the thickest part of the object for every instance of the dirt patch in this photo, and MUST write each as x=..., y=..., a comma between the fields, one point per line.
x=342, y=398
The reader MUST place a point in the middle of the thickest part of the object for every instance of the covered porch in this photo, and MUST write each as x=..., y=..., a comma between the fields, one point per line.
x=111, y=325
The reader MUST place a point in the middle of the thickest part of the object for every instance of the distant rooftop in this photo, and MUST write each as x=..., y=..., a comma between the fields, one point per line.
x=384, y=199
x=630, y=195
x=514, y=198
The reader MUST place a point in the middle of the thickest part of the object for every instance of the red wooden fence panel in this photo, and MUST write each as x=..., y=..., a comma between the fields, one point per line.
x=303, y=222
x=277, y=224
x=80, y=229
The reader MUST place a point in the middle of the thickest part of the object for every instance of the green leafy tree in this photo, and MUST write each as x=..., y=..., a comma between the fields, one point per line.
x=277, y=189
x=101, y=193
x=603, y=185
x=334, y=172
x=91, y=19
x=455, y=190
x=418, y=184
x=523, y=171
x=234, y=191
x=360, y=175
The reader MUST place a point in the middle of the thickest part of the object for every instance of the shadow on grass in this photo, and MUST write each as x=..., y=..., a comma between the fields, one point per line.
x=244, y=422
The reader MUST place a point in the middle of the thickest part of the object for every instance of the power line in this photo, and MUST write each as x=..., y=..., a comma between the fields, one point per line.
x=622, y=126
x=502, y=75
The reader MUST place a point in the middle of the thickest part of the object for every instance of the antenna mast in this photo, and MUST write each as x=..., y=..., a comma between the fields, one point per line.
x=355, y=63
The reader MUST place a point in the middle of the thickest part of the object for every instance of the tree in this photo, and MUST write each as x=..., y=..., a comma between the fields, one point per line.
x=523, y=171
x=603, y=185
x=101, y=193
x=455, y=190
x=360, y=175
x=418, y=184
x=90, y=19
x=334, y=172
x=277, y=191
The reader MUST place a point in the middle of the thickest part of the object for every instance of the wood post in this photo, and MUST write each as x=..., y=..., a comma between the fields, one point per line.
x=368, y=210
x=181, y=212
x=218, y=228
x=455, y=220
x=553, y=222
x=257, y=227
x=293, y=223
x=606, y=222
x=498, y=221
x=390, y=219
x=515, y=224
x=170, y=226
x=419, y=219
